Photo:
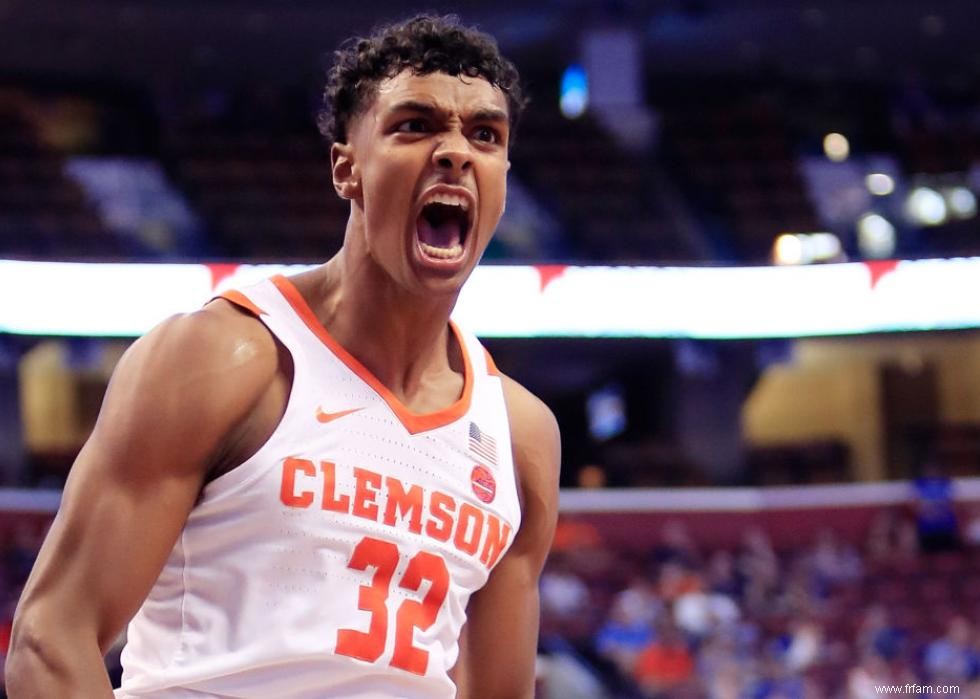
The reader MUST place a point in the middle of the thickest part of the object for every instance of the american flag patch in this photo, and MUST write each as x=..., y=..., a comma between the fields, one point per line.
x=483, y=445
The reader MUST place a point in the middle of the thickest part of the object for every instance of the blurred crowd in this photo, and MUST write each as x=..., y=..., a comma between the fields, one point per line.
x=824, y=618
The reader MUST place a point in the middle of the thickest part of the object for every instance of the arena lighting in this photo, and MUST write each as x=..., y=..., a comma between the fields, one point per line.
x=574, y=92
x=822, y=246
x=836, y=147
x=879, y=184
x=787, y=250
x=926, y=206
x=876, y=236
x=804, y=248
x=120, y=300
x=961, y=202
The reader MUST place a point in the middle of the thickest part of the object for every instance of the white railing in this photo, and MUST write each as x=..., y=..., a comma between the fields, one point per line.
x=13, y=500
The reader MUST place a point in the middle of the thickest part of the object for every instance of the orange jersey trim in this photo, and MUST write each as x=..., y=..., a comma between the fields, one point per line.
x=413, y=422
x=491, y=365
x=240, y=299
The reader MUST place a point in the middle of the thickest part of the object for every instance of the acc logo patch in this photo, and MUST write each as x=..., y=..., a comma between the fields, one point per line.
x=484, y=485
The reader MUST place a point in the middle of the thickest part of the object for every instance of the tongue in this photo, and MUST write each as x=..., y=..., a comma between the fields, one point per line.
x=445, y=234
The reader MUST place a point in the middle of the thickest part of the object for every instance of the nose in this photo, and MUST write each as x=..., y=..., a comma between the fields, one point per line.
x=453, y=153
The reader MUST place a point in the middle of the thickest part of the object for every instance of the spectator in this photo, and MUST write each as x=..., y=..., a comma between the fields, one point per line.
x=950, y=659
x=864, y=678
x=572, y=533
x=723, y=672
x=935, y=515
x=722, y=575
x=629, y=628
x=677, y=579
x=878, y=636
x=560, y=675
x=773, y=681
x=666, y=664
x=582, y=549
x=699, y=614
x=891, y=537
x=677, y=546
x=805, y=648
x=592, y=477
x=971, y=532
x=833, y=562
x=759, y=566
x=565, y=601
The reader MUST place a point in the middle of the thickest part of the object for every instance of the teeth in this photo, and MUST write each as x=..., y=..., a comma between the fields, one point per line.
x=448, y=199
x=442, y=253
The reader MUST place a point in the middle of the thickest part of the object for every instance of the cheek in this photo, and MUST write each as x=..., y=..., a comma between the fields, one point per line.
x=382, y=176
x=387, y=193
x=494, y=196
x=493, y=187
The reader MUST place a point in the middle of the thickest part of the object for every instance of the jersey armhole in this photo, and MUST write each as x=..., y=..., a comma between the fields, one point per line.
x=240, y=300
x=491, y=366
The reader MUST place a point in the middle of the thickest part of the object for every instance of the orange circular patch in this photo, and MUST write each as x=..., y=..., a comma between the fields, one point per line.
x=484, y=485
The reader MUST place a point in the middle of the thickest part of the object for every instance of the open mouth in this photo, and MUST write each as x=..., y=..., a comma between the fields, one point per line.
x=442, y=227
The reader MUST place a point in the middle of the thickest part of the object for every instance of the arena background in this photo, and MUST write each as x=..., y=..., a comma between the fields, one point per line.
x=771, y=428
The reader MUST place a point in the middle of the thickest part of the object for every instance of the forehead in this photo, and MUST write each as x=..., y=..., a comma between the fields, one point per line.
x=451, y=93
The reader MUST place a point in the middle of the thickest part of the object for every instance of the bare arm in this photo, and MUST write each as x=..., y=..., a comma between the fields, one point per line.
x=499, y=644
x=174, y=399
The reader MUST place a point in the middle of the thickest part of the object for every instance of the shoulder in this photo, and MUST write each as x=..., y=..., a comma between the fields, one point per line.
x=531, y=421
x=190, y=380
x=195, y=348
x=536, y=444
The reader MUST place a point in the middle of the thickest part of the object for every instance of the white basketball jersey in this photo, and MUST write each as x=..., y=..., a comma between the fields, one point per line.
x=338, y=560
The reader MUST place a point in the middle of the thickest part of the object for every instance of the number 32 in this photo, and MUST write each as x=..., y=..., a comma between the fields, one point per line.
x=411, y=615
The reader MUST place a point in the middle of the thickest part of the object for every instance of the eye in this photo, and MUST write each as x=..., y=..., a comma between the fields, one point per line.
x=412, y=126
x=486, y=134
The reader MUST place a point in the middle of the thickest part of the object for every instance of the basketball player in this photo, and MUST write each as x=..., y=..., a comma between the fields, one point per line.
x=319, y=486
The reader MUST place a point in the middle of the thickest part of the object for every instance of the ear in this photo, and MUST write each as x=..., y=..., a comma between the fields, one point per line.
x=345, y=178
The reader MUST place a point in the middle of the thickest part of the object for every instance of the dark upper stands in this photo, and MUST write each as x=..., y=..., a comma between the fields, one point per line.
x=603, y=194
x=937, y=142
x=264, y=197
x=257, y=173
x=42, y=212
x=741, y=169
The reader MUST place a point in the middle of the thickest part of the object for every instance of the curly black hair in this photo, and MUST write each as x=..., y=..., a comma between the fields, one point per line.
x=425, y=44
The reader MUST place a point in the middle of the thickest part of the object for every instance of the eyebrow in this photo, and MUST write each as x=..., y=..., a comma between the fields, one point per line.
x=489, y=114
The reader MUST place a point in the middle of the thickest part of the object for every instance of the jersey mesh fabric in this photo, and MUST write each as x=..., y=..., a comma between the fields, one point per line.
x=280, y=559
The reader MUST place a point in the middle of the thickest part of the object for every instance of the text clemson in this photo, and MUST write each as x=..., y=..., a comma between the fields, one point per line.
x=388, y=500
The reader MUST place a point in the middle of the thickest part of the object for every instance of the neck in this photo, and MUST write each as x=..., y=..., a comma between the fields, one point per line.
x=403, y=338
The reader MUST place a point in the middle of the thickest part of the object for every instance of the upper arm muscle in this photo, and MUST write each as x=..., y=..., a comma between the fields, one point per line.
x=174, y=397
x=502, y=618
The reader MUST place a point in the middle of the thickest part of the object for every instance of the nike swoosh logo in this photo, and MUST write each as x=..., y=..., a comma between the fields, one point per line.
x=324, y=418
